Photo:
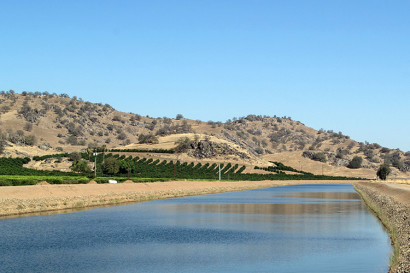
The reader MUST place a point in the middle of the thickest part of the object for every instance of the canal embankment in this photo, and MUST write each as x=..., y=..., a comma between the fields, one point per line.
x=26, y=200
x=391, y=203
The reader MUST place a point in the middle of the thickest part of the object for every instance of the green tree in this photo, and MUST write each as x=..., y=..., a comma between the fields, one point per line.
x=80, y=166
x=75, y=156
x=383, y=171
x=356, y=162
x=1, y=146
x=111, y=166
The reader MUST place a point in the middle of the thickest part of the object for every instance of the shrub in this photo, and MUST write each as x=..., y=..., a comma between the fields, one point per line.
x=28, y=127
x=183, y=144
x=384, y=150
x=264, y=143
x=150, y=126
x=399, y=164
x=117, y=118
x=72, y=140
x=355, y=163
x=74, y=130
x=383, y=171
x=179, y=116
x=149, y=138
x=319, y=157
x=122, y=136
x=30, y=140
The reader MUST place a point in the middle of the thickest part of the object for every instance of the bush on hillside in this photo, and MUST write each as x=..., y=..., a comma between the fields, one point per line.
x=355, y=163
x=320, y=156
x=149, y=138
x=183, y=144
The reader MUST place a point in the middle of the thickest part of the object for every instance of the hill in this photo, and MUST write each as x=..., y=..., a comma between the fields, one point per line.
x=41, y=123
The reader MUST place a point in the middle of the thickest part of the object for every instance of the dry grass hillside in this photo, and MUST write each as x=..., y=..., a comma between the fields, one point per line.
x=42, y=123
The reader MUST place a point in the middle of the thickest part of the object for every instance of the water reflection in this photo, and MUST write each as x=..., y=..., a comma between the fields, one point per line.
x=314, y=228
x=320, y=195
x=278, y=209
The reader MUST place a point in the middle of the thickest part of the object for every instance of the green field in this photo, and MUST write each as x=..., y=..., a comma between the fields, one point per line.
x=12, y=172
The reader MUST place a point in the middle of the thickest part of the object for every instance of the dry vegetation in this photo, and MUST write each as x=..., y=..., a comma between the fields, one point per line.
x=42, y=123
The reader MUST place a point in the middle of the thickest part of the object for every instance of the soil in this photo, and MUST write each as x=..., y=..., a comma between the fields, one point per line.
x=43, y=183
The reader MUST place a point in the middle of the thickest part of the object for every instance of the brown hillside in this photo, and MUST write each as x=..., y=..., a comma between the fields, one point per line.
x=42, y=123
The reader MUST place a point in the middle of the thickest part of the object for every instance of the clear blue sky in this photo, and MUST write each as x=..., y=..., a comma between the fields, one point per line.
x=340, y=65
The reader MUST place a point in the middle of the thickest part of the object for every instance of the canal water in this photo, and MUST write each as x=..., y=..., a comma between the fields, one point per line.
x=304, y=228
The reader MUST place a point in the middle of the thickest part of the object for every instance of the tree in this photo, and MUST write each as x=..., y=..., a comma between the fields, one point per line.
x=320, y=156
x=75, y=156
x=30, y=140
x=80, y=166
x=179, y=116
x=383, y=171
x=2, y=146
x=111, y=166
x=356, y=162
x=149, y=138
x=183, y=144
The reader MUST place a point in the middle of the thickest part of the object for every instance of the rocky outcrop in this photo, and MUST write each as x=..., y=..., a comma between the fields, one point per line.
x=392, y=205
x=208, y=149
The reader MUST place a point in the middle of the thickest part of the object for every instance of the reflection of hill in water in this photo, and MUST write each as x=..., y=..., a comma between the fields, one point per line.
x=320, y=203
x=319, y=195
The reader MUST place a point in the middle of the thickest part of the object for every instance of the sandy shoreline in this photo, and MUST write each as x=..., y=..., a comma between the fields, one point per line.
x=22, y=200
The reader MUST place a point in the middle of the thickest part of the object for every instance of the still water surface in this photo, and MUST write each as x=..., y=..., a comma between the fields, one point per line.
x=305, y=228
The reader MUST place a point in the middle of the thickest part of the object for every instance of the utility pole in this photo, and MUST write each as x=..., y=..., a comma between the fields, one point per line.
x=128, y=164
x=104, y=147
x=95, y=164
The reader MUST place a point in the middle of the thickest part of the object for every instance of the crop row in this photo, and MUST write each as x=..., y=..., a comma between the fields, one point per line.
x=14, y=166
x=148, y=167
